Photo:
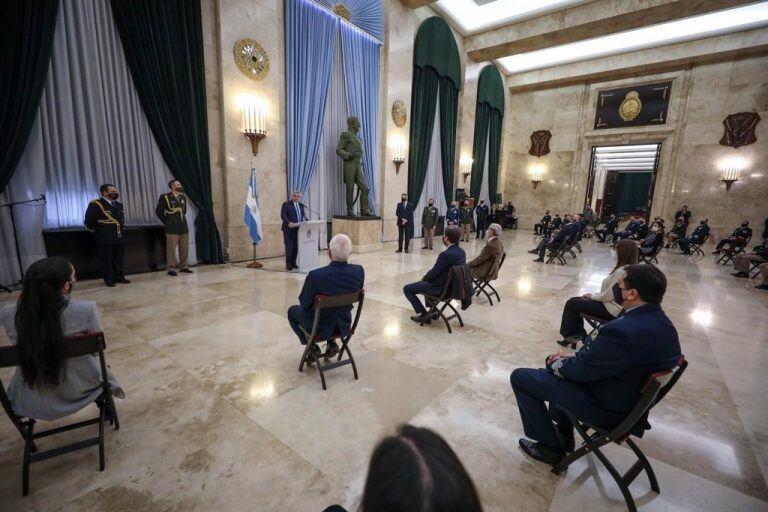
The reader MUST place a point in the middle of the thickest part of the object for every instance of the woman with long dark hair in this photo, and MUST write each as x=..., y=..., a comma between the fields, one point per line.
x=46, y=386
x=601, y=305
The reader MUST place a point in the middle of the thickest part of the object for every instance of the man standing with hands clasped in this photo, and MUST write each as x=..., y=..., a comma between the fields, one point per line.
x=106, y=219
x=404, y=214
x=292, y=214
x=428, y=223
x=171, y=209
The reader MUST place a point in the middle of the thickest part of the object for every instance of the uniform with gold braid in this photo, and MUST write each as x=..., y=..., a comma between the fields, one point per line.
x=107, y=221
x=171, y=209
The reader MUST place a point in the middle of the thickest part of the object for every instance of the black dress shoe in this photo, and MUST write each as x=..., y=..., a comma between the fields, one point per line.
x=762, y=287
x=288, y=268
x=172, y=273
x=399, y=250
x=539, y=260
x=331, y=349
x=187, y=271
x=111, y=285
x=740, y=275
x=533, y=251
x=422, y=319
x=539, y=452
x=122, y=281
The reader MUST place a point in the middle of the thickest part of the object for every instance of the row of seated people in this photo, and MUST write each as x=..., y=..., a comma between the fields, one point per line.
x=569, y=231
x=756, y=259
x=649, y=238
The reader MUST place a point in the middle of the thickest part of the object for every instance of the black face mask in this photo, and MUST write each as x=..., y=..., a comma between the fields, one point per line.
x=744, y=225
x=403, y=199
x=180, y=189
x=113, y=196
x=702, y=223
x=431, y=203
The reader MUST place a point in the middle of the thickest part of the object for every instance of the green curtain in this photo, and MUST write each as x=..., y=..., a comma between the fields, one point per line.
x=482, y=121
x=26, y=39
x=633, y=191
x=494, y=150
x=449, y=108
x=163, y=44
x=423, y=92
x=435, y=47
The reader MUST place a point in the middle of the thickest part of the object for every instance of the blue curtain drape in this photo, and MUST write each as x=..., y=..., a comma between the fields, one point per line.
x=309, y=38
x=365, y=14
x=361, y=76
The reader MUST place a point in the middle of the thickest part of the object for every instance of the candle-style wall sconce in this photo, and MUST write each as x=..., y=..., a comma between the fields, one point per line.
x=254, y=121
x=399, y=155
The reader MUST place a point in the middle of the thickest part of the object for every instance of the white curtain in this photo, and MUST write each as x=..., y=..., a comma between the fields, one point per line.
x=484, y=183
x=433, y=183
x=326, y=194
x=90, y=130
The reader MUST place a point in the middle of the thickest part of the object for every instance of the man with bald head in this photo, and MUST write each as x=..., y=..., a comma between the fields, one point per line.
x=336, y=278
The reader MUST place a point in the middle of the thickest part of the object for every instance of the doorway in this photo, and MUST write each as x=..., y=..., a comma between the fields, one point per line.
x=621, y=179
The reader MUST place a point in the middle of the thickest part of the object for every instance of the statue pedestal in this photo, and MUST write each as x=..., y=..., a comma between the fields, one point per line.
x=365, y=232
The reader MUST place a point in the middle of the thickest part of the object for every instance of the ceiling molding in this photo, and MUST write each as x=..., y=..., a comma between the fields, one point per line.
x=415, y=4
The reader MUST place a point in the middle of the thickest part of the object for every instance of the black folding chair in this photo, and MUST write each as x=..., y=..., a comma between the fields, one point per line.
x=754, y=268
x=655, y=388
x=558, y=253
x=594, y=322
x=74, y=346
x=438, y=304
x=651, y=257
x=312, y=353
x=737, y=247
x=695, y=248
x=483, y=284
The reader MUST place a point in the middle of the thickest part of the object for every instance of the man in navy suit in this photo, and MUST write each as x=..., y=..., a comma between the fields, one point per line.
x=433, y=281
x=292, y=215
x=603, y=381
x=334, y=279
x=404, y=214
x=570, y=229
x=697, y=237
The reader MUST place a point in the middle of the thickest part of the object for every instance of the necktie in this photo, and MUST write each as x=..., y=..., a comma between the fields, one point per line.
x=298, y=212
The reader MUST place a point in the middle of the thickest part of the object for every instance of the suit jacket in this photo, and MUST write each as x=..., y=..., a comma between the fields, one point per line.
x=611, y=225
x=334, y=279
x=686, y=216
x=452, y=217
x=699, y=233
x=404, y=211
x=642, y=230
x=288, y=214
x=107, y=221
x=566, y=232
x=438, y=274
x=557, y=222
x=627, y=350
x=482, y=212
x=486, y=264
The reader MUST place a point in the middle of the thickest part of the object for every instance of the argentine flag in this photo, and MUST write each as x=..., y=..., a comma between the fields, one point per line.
x=252, y=212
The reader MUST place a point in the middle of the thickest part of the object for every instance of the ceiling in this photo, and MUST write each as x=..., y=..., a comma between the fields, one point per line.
x=473, y=16
x=638, y=157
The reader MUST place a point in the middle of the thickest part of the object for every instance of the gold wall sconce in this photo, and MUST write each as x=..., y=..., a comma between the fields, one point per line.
x=729, y=176
x=399, y=155
x=465, y=165
x=537, y=174
x=254, y=121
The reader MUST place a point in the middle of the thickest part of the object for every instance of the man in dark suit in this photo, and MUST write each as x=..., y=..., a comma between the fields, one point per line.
x=569, y=230
x=698, y=236
x=738, y=238
x=629, y=230
x=482, y=212
x=685, y=214
x=602, y=382
x=609, y=229
x=433, y=281
x=404, y=213
x=106, y=219
x=542, y=228
x=337, y=278
x=292, y=214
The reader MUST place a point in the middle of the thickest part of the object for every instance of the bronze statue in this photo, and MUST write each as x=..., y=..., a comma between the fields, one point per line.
x=350, y=149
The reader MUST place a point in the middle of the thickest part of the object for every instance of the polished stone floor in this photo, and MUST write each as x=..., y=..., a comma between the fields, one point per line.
x=217, y=416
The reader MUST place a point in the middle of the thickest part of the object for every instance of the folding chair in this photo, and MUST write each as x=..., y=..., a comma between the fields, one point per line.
x=696, y=248
x=729, y=254
x=311, y=355
x=74, y=346
x=559, y=252
x=651, y=257
x=436, y=310
x=655, y=388
x=594, y=322
x=482, y=284
x=754, y=266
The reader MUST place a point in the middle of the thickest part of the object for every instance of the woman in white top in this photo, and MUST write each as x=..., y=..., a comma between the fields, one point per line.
x=600, y=305
x=46, y=386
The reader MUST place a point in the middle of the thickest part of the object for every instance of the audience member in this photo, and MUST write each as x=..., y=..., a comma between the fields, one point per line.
x=765, y=230
x=629, y=229
x=570, y=229
x=452, y=215
x=653, y=241
x=465, y=218
x=677, y=232
x=738, y=238
x=557, y=222
x=542, y=227
x=486, y=264
x=46, y=386
x=685, y=214
x=433, y=281
x=429, y=222
x=482, y=213
x=758, y=255
x=601, y=382
x=697, y=237
x=336, y=278
x=416, y=471
x=609, y=229
x=601, y=305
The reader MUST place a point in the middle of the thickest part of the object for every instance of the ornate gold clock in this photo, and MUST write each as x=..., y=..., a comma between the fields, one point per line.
x=251, y=59
x=398, y=113
x=631, y=106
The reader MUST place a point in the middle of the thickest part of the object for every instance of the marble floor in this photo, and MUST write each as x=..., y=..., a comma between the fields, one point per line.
x=217, y=417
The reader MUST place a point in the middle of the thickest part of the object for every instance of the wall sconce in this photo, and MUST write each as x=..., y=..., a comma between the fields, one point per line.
x=465, y=164
x=536, y=176
x=399, y=156
x=729, y=176
x=254, y=119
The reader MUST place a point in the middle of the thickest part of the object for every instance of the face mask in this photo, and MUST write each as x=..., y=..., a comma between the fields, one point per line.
x=431, y=203
x=402, y=199
x=702, y=223
x=617, y=297
x=113, y=196
x=744, y=225
x=180, y=189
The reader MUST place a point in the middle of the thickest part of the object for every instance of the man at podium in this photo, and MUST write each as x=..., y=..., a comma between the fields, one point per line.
x=292, y=215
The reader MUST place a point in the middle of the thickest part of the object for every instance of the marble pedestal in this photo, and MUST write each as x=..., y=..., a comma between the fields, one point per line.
x=365, y=232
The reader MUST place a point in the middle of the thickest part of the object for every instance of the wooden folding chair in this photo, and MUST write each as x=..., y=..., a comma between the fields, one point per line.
x=438, y=304
x=74, y=346
x=655, y=388
x=483, y=284
x=313, y=355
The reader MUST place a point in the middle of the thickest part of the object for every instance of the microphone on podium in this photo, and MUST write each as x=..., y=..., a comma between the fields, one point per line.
x=310, y=211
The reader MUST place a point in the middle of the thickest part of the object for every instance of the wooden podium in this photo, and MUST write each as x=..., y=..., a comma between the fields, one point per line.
x=309, y=243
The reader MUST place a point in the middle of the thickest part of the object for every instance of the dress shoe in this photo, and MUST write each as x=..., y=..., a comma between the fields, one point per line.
x=539, y=452
x=422, y=319
x=122, y=281
x=740, y=275
x=666, y=246
x=686, y=252
x=331, y=349
x=539, y=260
x=425, y=247
x=172, y=273
x=533, y=251
x=399, y=250
x=716, y=251
x=187, y=271
x=569, y=444
x=111, y=285
x=288, y=268
x=762, y=287
x=407, y=251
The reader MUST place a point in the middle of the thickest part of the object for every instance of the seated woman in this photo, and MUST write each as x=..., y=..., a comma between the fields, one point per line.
x=46, y=386
x=600, y=305
x=416, y=470
x=655, y=238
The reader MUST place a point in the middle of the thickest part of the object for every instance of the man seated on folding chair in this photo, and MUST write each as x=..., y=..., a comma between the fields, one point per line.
x=738, y=238
x=742, y=263
x=433, y=281
x=570, y=228
x=653, y=241
x=603, y=381
x=608, y=229
x=698, y=236
x=486, y=264
x=45, y=387
x=337, y=278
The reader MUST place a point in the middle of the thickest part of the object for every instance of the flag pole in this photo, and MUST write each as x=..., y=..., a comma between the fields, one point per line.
x=254, y=263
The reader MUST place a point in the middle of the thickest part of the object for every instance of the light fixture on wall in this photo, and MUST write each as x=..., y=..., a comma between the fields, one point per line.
x=537, y=174
x=399, y=155
x=465, y=165
x=254, y=121
x=729, y=176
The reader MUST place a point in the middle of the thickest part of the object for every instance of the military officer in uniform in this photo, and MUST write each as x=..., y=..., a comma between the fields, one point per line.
x=452, y=216
x=483, y=213
x=171, y=209
x=428, y=223
x=106, y=219
x=465, y=220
